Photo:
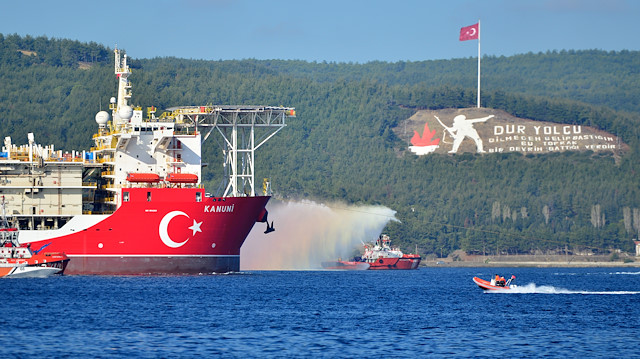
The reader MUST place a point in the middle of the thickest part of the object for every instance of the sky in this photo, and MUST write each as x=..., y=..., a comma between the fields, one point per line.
x=352, y=31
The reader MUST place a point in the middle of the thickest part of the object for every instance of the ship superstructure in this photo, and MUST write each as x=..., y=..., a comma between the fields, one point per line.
x=134, y=203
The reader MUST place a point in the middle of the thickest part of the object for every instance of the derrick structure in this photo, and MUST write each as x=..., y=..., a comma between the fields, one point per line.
x=243, y=129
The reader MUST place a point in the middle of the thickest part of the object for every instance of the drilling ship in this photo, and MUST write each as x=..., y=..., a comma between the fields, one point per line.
x=134, y=203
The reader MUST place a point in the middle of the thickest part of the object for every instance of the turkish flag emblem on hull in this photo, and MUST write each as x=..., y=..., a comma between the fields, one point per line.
x=471, y=32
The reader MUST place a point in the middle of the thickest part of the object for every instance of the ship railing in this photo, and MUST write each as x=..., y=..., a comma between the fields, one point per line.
x=101, y=148
x=104, y=160
x=72, y=159
x=50, y=159
x=97, y=212
x=186, y=131
x=200, y=110
x=103, y=134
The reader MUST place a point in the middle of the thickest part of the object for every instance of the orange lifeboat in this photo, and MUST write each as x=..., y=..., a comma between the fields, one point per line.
x=181, y=178
x=143, y=177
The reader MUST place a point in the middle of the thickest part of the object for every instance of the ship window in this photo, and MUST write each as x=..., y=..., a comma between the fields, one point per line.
x=148, y=196
x=125, y=196
x=198, y=196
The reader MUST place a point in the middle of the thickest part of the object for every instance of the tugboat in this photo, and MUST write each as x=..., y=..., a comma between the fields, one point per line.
x=20, y=261
x=383, y=256
x=378, y=256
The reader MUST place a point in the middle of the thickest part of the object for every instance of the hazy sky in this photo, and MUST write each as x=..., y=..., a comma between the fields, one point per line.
x=328, y=30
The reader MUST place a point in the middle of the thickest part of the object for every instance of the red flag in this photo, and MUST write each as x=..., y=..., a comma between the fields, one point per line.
x=470, y=32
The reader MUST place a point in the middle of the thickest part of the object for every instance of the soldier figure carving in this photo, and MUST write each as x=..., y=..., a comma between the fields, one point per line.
x=462, y=128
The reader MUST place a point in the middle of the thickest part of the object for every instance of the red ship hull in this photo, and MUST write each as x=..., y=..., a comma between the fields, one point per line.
x=157, y=231
x=407, y=261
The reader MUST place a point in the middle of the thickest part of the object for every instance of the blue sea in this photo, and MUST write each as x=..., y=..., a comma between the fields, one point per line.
x=434, y=312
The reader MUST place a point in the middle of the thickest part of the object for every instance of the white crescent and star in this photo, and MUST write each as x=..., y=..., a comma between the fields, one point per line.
x=472, y=31
x=164, y=232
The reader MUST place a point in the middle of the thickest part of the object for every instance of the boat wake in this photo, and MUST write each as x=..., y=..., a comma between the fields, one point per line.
x=626, y=273
x=308, y=233
x=532, y=288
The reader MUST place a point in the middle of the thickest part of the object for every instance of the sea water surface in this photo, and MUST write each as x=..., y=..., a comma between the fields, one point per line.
x=556, y=312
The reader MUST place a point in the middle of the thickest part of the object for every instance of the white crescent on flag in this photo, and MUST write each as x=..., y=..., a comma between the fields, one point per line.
x=163, y=229
x=471, y=32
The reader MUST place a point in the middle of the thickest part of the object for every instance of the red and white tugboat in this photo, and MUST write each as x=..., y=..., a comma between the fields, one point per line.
x=383, y=256
x=21, y=261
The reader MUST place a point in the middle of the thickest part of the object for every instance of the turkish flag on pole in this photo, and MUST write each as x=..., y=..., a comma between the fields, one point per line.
x=469, y=33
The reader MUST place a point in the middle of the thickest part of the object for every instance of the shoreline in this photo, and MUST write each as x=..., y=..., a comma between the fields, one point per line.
x=536, y=264
x=533, y=261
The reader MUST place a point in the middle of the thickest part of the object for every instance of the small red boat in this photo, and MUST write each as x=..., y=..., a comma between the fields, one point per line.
x=497, y=283
x=21, y=261
x=345, y=265
x=383, y=256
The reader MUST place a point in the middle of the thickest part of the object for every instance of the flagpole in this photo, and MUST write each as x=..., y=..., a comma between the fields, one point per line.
x=479, y=34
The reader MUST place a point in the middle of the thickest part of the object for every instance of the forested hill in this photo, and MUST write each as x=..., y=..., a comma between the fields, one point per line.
x=595, y=77
x=342, y=145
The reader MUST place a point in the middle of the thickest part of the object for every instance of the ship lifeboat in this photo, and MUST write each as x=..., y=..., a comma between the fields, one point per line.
x=181, y=178
x=143, y=177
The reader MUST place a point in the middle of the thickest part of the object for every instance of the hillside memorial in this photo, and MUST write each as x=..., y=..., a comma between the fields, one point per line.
x=458, y=131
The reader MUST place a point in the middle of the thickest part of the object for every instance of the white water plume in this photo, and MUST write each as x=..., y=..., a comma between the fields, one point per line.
x=308, y=233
